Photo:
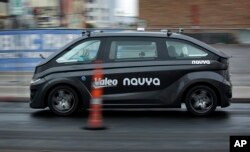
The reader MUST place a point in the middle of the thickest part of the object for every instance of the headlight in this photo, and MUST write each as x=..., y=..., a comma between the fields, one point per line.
x=34, y=81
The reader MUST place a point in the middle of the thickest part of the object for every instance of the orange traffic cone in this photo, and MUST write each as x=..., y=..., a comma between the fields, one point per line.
x=95, y=120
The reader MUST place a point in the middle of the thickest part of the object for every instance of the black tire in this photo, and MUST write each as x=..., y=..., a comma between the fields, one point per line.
x=63, y=100
x=201, y=100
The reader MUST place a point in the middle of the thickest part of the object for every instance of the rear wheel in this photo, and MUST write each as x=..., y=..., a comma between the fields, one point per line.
x=63, y=100
x=201, y=100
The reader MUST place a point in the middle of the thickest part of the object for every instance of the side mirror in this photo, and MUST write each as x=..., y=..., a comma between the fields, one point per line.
x=41, y=56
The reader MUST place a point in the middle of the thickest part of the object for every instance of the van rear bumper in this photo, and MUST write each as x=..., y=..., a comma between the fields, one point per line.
x=226, y=94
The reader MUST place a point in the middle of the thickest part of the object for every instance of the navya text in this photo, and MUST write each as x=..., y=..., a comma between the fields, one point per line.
x=200, y=61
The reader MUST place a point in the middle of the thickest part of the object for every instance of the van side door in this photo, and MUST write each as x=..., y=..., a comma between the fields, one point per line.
x=131, y=66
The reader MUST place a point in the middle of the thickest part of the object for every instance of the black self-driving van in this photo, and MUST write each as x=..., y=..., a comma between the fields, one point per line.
x=141, y=69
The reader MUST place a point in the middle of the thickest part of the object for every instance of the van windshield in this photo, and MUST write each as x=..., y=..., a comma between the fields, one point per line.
x=86, y=51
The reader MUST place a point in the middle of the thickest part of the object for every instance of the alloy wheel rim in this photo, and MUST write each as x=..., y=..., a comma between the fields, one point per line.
x=201, y=100
x=63, y=100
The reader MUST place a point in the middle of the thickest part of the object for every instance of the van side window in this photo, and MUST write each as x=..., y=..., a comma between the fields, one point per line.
x=86, y=51
x=128, y=50
x=182, y=50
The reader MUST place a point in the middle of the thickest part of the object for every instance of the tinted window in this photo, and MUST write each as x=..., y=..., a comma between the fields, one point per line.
x=182, y=50
x=86, y=51
x=132, y=50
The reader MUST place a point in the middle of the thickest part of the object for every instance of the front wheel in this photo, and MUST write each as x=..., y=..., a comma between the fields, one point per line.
x=201, y=100
x=63, y=100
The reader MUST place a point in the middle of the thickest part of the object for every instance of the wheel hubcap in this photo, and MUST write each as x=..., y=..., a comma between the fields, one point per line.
x=201, y=100
x=63, y=100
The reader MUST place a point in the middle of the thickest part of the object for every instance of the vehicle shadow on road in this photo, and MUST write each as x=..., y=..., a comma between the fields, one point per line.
x=141, y=113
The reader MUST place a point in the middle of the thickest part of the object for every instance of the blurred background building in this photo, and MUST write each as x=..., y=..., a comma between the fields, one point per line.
x=25, y=14
x=99, y=13
x=3, y=13
x=32, y=14
x=111, y=13
x=72, y=13
x=229, y=19
x=43, y=13
x=196, y=13
x=212, y=21
x=124, y=13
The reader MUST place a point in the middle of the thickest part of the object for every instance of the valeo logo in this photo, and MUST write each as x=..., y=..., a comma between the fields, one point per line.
x=145, y=81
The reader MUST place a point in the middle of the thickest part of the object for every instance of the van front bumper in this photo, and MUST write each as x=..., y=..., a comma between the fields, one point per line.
x=37, y=99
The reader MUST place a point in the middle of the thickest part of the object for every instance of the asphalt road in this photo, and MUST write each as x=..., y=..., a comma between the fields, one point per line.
x=24, y=129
